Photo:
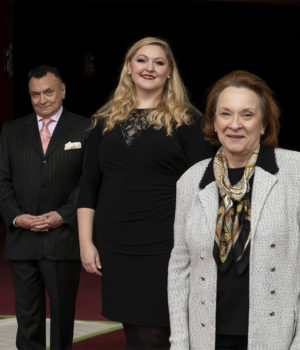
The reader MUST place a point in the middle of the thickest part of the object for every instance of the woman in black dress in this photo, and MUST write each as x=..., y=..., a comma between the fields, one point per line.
x=143, y=139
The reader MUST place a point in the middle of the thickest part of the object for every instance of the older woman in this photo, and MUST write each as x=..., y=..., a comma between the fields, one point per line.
x=143, y=140
x=234, y=271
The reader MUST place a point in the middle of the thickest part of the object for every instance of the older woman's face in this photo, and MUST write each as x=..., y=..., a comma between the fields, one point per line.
x=149, y=69
x=239, y=124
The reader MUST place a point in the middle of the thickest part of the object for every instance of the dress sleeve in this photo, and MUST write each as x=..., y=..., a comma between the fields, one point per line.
x=191, y=138
x=91, y=177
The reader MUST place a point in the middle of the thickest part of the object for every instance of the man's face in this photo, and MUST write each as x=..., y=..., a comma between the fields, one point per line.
x=46, y=94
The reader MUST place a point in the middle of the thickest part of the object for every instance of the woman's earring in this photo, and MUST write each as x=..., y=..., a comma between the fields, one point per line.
x=169, y=77
x=129, y=73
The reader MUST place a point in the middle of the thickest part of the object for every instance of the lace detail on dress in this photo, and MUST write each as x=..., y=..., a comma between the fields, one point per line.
x=134, y=125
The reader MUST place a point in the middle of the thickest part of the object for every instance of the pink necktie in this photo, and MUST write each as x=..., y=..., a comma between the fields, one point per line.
x=45, y=134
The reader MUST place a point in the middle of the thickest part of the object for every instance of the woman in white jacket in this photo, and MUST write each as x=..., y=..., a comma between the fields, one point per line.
x=234, y=271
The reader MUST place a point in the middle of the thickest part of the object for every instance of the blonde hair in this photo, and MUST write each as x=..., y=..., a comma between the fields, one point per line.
x=174, y=103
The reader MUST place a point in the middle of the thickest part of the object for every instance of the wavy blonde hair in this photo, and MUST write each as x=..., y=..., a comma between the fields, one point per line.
x=170, y=112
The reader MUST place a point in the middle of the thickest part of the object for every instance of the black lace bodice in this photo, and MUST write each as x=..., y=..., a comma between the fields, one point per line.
x=134, y=125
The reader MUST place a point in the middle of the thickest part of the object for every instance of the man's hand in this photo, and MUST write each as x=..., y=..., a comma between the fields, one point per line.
x=25, y=221
x=47, y=221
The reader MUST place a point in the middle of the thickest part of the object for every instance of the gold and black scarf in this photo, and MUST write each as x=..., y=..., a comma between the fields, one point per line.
x=233, y=226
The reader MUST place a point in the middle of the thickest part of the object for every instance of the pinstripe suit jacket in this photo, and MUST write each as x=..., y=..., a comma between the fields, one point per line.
x=34, y=183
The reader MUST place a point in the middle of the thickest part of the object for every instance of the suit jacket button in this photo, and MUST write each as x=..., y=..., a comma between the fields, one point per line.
x=201, y=257
x=272, y=313
x=202, y=301
x=272, y=291
x=273, y=269
x=272, y=245
x=44, y=161
x=202, y=324
x=202, y=278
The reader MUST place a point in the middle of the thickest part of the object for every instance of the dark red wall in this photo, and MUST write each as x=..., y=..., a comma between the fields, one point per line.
x=6, y=83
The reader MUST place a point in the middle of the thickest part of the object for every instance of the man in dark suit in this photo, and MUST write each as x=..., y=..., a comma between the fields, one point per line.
x=40, y=164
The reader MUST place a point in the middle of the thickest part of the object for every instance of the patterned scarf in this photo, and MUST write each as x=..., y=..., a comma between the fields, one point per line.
x=233, y=228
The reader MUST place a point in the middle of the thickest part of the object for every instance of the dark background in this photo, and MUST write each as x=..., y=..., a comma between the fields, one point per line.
x=209, y=39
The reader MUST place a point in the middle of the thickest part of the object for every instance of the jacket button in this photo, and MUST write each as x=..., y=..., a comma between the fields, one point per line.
x=273, y=269
x=201, y=257
x=272, y=313
x=272, y=245
x=202, y=278
x=202, y=301
x=202, y=324
x=44, y=161
x=272, y=291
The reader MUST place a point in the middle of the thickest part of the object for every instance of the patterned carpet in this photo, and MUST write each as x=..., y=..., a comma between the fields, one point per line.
x=88, y=335
x=91, y=332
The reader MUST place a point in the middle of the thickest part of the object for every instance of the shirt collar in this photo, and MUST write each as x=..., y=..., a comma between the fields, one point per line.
x=55, y=117
x=266, y=160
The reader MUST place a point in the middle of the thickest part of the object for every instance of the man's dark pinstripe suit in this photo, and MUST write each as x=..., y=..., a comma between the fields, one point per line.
x=34, y=183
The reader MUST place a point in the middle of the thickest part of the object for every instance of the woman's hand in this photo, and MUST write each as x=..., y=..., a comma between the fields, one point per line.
x=90, y=259
x=88, y=252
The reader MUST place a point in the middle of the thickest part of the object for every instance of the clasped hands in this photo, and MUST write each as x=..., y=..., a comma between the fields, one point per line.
x=39, y=223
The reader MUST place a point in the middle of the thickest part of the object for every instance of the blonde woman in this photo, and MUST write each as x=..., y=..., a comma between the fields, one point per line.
x=143, y=139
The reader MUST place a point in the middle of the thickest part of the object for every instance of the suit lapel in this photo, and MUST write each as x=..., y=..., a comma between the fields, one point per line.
x=61, y=132
x=210, y=204
x=262, y=185
x=32, y=135
x=264, y=179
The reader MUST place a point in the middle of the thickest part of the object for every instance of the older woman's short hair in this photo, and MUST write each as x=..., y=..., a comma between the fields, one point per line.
x=269, y=106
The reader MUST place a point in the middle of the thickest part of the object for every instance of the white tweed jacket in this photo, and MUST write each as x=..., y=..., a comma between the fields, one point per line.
x=274, y=268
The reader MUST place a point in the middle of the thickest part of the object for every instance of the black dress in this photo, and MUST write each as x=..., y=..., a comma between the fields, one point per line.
x=129, y=178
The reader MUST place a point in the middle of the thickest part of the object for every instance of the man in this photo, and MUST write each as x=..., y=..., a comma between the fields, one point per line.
x=40, y=165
